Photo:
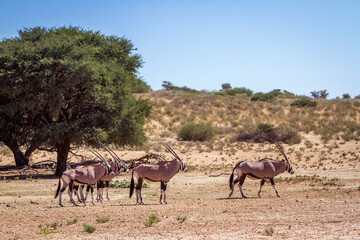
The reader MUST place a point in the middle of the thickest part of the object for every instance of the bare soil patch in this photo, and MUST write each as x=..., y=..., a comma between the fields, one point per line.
x=322, y=205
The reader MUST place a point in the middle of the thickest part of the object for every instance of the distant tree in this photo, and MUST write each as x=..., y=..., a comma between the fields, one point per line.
x=319, y=94
x=225, y=86
x=65, y=87
x=169, y=86
x=357, y=97
x=346, y=96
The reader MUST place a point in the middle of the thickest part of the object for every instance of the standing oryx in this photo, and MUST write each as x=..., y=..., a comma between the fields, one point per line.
x=83, y=176
x=117, y=166
x=105, y=180
x=263, y=169
x=162, y=172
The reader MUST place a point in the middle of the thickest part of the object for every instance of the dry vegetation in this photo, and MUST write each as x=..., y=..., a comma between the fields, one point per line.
x=321, y=201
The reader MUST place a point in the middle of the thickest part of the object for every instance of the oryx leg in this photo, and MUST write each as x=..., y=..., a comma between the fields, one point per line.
x=232, y=186
x=78, y=193
x=138, y=191
x=273, y=185
x=163, y=192
x=99, y=187
x=242, y=179
x=64, y=186
x=107, y=190
x=70, y=191
x=92, y=194
x=81, y=190
x=261, y=185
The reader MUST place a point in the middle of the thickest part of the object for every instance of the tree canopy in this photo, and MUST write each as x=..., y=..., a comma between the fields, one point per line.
x=64, y=87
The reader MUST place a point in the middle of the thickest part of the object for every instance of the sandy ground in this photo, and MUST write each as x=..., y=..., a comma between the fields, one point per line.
x=326, y=206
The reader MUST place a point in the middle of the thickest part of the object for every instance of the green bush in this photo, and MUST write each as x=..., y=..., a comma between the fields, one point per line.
x=236, y=91
x=304, y=102
x=102, y=219
x=75, y=220
x=89, y=228
x=265, y=132
x=153, y=218
x=124, y=184
x=263, y=97
x=346, y=96
x=196, y=132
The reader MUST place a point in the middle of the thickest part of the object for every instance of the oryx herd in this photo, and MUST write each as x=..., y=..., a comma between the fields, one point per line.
x=102, y=172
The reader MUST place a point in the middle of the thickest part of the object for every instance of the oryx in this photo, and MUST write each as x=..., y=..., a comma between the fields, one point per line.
x=161, y=172
x=105, y=180
x=117, y=166
x=266, y=168
x=88, y=175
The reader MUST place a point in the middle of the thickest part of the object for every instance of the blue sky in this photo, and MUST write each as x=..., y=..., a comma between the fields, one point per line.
x=299, y=46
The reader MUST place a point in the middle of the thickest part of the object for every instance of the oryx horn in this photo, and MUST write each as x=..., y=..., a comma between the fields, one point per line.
x=112, y=153
x=101, y=158
x=281, y=150
x=172, y=151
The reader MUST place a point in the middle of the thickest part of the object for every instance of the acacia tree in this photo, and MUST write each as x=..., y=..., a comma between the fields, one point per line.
x=66, y=87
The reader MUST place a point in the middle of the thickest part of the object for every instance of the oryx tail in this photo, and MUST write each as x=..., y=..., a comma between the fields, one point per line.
x=132, y=185
x=232, y=176
x=58, y=189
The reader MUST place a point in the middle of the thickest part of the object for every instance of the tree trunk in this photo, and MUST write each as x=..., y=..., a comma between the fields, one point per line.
x=62, y=150
x=20, y=158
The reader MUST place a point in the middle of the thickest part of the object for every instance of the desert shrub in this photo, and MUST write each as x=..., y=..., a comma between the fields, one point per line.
x=265, y=132
x=196, y=132
x=346, y=96
x=71, y=222
x=236, y=91
x=102, y=219
x=262, y=97
x=304, y=102
x=181, y=218
x=269, y=231
x=89, y=228
x=48, y=228
x=124, y=184
x=153, y=218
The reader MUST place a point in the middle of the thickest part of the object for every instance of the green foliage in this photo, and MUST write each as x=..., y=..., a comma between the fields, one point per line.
x=265, y=127
x=48, y=228
x=70, y=87
x=124, y=184
x=320, y=94
x=153, y=218
x=225, y=86
x=181, y=218
x=235, y=91
x=75, y=220
x=304, y=102
x=89, y=228
x=333, y=182
x=269, y=231
x=265, y=132
x=262, y=97
x=103, y=219
x=346, y=96
x=169, y=86
x=196, y=132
